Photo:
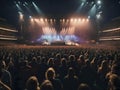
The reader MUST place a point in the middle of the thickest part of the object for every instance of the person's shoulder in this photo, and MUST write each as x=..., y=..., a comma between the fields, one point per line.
x=56, y=80
x=5, y=71
x=75, y=77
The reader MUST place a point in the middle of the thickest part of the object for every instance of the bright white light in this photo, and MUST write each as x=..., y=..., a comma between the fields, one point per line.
x=79, y=19
x=41, y=20
x=36, y=20
x=32, y=19
x=36, y=7
x=75, y=20
x=45, y=20
x=63, y=20
x=99, y=2
x=88, y=17
x=98, y=16
x=87, y=20
x=71, y=20
x=21, y=15
x=51, y=20
x=83, y=20
x=30, y=16
x=6, y=29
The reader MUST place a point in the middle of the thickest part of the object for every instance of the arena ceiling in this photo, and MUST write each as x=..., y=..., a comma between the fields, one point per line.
x=107, y=9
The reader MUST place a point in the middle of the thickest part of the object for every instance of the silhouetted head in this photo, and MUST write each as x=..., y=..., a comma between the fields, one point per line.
x=83, y=86
x=46, y=85
x=50, y=74
x=71, y=72
x=32, y=83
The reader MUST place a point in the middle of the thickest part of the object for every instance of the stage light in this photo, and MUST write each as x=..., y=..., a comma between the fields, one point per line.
x=88, y=17
x=99, y=2
x=31, y=19
x=87, y=3
x=98, y=16
x=80, y=7
x=60, y=20
x=99, y=7
x=30, y=16
x=19, y=2
x=36, y=8
x=21, y=15
x=71, y=19
x=51, y=20
x=54, y=20
x=41, y=19
x=19, y=8
x=36, y=20
x=45, y=20
x=93, y=10
x=83, y=20
x=87, y=20
x=63, y=20
x=28, y=9
x=92, y=3
x=79, y=19
x=75, y=20
x=26, y=3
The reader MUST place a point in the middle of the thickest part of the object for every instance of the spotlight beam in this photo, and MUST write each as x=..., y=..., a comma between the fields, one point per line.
x=19, y=8
x=93, y=10
x=36, y=8
x=80, y=7
x=28, y=8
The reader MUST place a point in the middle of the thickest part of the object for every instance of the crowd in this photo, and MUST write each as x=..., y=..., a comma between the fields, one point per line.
x=59, y=68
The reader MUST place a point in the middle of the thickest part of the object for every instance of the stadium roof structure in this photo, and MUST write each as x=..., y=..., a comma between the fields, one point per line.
x=114, y=23
x=59, y=8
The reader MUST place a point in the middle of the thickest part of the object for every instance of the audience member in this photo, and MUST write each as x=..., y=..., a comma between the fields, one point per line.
x=32, y=83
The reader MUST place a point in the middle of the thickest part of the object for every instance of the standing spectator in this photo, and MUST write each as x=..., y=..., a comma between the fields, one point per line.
x=70, y=81
x=114, y=82
x=63, y=68
x=85, y=71
x=83, y=86
x=102, y=71
x=32, y=83
x=41, y=70
x=23, y=74
x=50, y=75
x=46, y=85
x=6, y=76
x=3, y=86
